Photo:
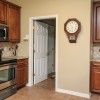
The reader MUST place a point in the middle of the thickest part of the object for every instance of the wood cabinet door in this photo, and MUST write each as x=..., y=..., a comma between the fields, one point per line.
x=96, y=22
x=25, y=69
x=14, y=23
x=22, y=72
x=96, y=80
x=20, y=76
x=3, y=12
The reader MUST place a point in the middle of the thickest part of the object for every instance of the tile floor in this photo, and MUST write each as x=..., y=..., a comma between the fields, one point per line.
x=45, y=91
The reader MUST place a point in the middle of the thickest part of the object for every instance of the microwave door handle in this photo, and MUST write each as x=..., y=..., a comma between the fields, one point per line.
x=5, y=33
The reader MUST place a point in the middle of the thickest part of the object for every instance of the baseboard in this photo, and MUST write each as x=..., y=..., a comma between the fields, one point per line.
x=73, y=93
x=29, y=84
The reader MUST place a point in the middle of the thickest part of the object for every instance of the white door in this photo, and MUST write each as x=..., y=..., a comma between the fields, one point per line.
x=40, y=51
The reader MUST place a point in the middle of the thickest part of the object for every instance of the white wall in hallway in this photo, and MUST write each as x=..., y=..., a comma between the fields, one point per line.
x=51, y=49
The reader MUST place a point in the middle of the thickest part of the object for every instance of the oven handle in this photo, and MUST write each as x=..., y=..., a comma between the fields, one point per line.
x=5, y=33
x=4, y=67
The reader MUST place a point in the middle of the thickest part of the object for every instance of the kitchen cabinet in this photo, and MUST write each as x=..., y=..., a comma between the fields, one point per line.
x=14, y=22
x=3, y=12
x=10, y=15
x=96, y=21
x=95, y=77
x=22, y=72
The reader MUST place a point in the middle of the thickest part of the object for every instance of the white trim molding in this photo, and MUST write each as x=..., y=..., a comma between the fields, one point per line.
x=30, y=71
x=73, y=93
x=31, y=19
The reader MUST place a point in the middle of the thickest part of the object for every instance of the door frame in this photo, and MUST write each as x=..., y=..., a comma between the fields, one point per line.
x=30, y=71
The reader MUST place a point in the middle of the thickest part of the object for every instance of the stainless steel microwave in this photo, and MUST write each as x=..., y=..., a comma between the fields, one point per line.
x=4, y=30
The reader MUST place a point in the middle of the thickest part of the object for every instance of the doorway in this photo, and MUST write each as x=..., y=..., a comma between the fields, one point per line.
x=44, y=49
x=31, y=61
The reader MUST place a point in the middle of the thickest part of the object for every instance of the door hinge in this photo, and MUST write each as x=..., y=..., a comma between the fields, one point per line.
x=34, y=51
x=33, y=27
x=34, y=74
x=48, y=54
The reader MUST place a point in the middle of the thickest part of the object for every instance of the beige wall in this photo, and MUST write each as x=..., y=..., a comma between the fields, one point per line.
x=74, y=58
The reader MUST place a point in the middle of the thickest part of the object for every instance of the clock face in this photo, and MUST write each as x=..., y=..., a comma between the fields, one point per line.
x=72, y=26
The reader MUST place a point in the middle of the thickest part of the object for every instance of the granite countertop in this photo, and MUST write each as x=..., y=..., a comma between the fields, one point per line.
x=95, y=59
x=17, y=57
x=21, y=57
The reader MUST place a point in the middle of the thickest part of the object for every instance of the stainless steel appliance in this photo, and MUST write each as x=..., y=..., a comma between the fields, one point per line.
x=7, y=77
x=4, y=30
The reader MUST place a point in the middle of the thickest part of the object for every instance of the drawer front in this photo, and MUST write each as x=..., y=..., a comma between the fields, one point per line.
x=22, y=63
x=95, y=64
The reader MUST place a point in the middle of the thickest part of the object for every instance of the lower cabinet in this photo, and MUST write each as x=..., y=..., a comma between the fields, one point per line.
x=22, y=72
x=95, y=77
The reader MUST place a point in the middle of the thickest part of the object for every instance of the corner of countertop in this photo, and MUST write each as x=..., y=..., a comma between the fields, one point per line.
x=17, y=57
x=95, y=59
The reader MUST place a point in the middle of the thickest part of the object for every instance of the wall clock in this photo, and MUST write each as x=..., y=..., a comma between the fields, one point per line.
x=72, y=27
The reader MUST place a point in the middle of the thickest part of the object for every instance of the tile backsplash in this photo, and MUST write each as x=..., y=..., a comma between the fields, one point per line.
x=96, y=51
x=8, y=49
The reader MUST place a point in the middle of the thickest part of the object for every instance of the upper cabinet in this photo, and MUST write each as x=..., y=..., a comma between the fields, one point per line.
x=96, y=22
x=14, y=23
x=3, y=12
x=10, y=15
